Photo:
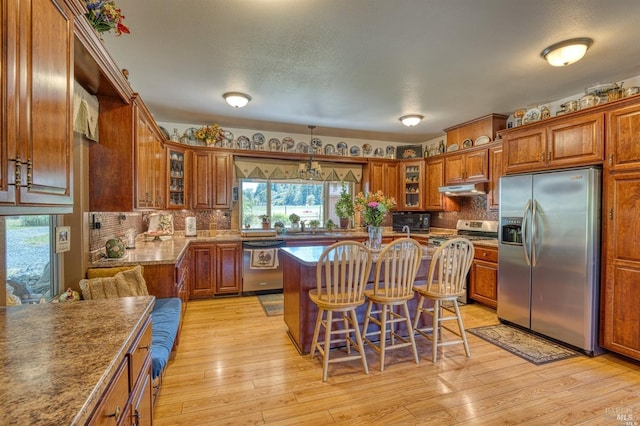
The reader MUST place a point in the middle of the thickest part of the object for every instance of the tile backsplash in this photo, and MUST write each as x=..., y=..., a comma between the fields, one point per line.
x=470, y=208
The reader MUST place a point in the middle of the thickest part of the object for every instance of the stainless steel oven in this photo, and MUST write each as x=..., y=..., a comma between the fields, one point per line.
x=261, y=268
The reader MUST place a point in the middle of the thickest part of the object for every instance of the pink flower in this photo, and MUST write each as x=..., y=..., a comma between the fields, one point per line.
x=373, y=204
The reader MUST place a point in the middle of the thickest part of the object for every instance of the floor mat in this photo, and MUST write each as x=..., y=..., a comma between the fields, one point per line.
x=272, y=304
x=534, y=349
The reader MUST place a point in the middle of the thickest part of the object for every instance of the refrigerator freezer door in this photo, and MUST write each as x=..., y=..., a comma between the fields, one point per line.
x=565, y=239
x=514, y=274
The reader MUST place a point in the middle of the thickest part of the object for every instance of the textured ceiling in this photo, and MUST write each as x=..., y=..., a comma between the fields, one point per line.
x=353, y=67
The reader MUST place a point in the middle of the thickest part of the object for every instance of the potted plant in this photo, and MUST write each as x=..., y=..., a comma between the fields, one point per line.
x=344, y=208
x=330, y=225
x=313, y=224
x=295, y=221
x=265, y=221
x=278, y=226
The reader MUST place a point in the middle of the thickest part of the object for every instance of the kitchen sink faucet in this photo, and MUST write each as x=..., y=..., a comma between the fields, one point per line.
x=406, y=228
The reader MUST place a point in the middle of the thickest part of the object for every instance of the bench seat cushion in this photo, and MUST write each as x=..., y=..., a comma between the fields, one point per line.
x=165, y=321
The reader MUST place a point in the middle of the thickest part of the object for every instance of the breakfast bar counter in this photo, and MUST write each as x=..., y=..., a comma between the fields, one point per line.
x=299, y=274
x=57, y=359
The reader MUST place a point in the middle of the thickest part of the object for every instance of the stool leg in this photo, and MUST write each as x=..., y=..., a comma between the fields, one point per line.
x=383, y=335
x=354, y=318
x=327, y=345
x=461, y=326
x=316, y=331
x=410, y=332
x=436, y=329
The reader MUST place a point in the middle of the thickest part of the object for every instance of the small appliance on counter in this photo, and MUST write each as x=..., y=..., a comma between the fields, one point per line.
x=417, y=222
x=190, y=229
x=130, y=238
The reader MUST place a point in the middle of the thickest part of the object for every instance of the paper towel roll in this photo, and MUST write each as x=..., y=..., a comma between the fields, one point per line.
x=190, y=227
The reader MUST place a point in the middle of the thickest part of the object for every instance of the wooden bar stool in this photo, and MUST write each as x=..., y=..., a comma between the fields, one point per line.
x=341, y=275
x=396, y=269
x=446, y=282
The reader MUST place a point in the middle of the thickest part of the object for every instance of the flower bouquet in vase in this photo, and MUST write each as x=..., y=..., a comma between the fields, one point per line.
x=374, y=207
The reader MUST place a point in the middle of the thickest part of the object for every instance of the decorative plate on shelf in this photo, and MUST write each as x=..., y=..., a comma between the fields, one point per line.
x=274, y=144
x=258, y=139
x=366, y=150
x=355, y=151
x=453, y=147
x=329, y=149
x=342, y=148
x=391, y=151
x=482, y=140
x=165, y=133
x=191, y=134
x=288, y=144
x=379, y=152
x=467, y=143
x=244, y=142
x=316, y=143
x=531, y=116
x=303, y=147
x=228, y=136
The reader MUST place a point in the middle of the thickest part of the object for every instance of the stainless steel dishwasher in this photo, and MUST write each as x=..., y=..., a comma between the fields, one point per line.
x=261, y=268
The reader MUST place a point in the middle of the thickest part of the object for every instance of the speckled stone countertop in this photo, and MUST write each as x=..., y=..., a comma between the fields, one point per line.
x=57, y=358
x=169, y=250
x=309, y=255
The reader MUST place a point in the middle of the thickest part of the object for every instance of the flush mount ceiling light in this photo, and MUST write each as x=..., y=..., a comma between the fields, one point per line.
x=411, y=120
x=236, y=99
x=566, y=52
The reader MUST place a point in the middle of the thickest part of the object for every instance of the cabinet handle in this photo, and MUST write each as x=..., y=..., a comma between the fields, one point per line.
x=18, y=171
x=549, y=156
x=29, y=174
x=146, y=348
x=542, y=157
x=136, y=416
x=611, y=159
x=484, y=254
x=611, y=214
x=117, y=413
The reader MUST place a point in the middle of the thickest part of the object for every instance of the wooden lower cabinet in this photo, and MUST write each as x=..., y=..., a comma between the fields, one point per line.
x=128, y=397
x=216, y=269
x=483, y=277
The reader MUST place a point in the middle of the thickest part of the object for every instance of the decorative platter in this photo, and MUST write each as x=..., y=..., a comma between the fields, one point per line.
x=355, y=151
x=342, y=148
x=303, y=147
x=453, y=147
x=391, y=151
x=366, y=150
x=288, y=144
x=258, y=139
x=228, y=136
x=191, y=134
x=274, y=144
x=531, y=116
x=329, y=149
x=467, y=143
x=244, y=142
x=316, y=143
x=379, y=152
x=482, y=140
x=165, y=133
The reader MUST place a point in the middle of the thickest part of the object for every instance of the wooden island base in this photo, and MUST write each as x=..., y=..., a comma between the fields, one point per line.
x=299, y=269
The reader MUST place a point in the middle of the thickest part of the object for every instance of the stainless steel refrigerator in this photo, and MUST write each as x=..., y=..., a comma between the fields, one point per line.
x=549, y=254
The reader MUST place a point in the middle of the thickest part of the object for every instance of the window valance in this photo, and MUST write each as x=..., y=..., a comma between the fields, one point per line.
x=259, y=168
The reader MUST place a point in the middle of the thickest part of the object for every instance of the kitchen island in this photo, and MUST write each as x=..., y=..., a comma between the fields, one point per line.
x=58, y=359
x=299, y=269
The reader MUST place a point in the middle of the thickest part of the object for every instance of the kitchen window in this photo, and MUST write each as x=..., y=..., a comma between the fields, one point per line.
x=30, y=264
x=278, y=199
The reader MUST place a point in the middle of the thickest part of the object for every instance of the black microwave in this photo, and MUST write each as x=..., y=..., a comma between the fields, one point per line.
x=417, y=222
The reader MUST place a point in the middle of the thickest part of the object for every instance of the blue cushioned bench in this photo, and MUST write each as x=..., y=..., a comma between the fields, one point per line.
x=165, y=319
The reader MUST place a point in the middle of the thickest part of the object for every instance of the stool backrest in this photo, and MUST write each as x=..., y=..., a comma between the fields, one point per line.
x=342, y=272
x=396, y=268
x=450, y=265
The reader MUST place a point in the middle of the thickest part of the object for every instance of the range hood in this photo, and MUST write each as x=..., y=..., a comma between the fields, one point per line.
x=465, y=190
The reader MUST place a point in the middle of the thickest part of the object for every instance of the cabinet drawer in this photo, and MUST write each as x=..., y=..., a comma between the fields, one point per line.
x=139, y=351
x=487, y=254
x=112, y=407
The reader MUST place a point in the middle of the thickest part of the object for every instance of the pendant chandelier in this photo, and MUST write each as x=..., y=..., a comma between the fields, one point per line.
x=310, y=169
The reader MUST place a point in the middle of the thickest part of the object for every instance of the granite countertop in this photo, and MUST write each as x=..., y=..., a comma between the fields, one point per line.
x=309, y=255
x=58, y=358
x=169, y=250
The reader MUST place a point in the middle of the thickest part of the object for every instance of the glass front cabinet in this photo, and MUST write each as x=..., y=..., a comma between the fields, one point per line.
x=412, y=181
x=178, y=166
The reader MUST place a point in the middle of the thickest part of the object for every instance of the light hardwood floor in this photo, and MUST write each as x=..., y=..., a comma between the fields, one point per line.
x=236, y=366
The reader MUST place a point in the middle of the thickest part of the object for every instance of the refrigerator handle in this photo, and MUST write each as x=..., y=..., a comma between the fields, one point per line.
x=534, y=232
x=525, y=215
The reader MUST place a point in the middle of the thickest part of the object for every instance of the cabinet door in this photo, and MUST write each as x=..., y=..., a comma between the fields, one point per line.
x=384, y=176
x=201, y=184
x=8, y=99
x=45, y=137
x=141, y=409
x=144, y=152
x=228, y=268
x=476, y=166
x=412, y=184
x=177, y=172
x=158, y=179
x=203, y=267
x=621, y=271
x=434, y=177
x=576, y=142
x=623, y=139
x=222, y=177
x=495, y=172
x=525, y=150
x=483, y=283
x=454, y=169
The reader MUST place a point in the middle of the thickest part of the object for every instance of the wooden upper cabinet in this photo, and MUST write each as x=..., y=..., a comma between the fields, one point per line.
x=178, y=172
x=384, y=175
x=37, y=108
x=623, y=139
x=211, y=184
x=570, y=142
x=469, y=167
x=412, y=185
x=434, y=178
x=150, y=162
